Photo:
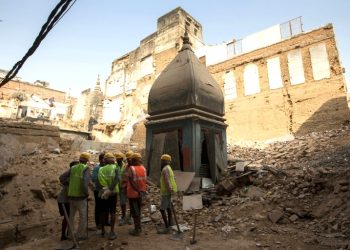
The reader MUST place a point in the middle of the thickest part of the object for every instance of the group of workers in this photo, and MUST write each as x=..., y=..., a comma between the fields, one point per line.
x=116, y=175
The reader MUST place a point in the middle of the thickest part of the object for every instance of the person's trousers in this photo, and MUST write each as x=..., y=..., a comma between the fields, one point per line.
x=97, y=207
x=135, y=210
x=80, y=206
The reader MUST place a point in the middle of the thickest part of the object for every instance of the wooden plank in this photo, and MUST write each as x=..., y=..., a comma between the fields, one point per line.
x=210, y=140
x=171, y=147
x=155, y=154
x=191, y=202
x=183, y=180
x=219, y=159
x=195, y=184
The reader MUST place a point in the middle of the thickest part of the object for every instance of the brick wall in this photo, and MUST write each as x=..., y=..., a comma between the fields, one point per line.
x=291, y=109
x=300, y=99
x=45, y=93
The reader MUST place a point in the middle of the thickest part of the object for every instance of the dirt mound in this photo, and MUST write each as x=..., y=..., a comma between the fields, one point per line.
x=303, y=183
x=290, y=195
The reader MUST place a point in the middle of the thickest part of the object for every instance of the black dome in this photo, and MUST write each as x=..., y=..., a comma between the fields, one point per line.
x=185, y=83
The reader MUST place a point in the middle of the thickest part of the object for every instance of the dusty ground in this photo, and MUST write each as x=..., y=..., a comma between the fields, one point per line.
x=297, y=197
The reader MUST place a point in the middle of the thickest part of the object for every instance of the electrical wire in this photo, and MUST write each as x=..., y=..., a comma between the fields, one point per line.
x=55, y=16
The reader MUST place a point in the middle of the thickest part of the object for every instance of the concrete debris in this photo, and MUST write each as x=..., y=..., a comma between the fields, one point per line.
x=262, y=245
x=299, y=187
x=225, y=187
x=183, y=228
x=156, y=217
x=207, y=183
x=293, y=218
x=153, y=208
x=56, y=151
x=240, y=166
x=275, y=215
x=93, y=152
x=227, y=229
x=192, y=202
x=195, y=185
x=253, y=192
x=183, y=180
x=41, y=194
x=218, y=218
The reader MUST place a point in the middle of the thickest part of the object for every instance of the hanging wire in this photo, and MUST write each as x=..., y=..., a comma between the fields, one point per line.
x=55, y=16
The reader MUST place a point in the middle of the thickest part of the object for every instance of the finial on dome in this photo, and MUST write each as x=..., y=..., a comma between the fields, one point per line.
x=186, y=44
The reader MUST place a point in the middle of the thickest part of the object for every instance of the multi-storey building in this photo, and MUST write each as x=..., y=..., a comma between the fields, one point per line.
x=277, y=82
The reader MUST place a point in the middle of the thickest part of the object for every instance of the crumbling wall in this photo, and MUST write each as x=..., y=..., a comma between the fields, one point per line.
x=133, y=74
x=13, y=86
x=292, y=87
x=312, y=105
x=18, y=139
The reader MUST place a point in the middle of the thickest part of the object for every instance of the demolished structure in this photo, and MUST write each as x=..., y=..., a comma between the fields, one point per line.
x=278, y=82
x=186, y=108
x=29, y=102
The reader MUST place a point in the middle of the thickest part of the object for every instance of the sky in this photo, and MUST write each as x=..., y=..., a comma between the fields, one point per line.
x=95, y=32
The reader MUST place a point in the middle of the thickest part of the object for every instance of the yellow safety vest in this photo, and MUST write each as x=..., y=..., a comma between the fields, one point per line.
x=163, y=187
x=106, y=175
x=76, y=185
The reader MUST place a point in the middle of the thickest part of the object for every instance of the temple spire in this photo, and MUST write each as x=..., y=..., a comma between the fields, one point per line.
x=97, y=86
x=98, y=80
x=186, y=44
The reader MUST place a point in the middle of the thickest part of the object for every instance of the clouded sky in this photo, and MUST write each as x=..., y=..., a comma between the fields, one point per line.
x=95, y=32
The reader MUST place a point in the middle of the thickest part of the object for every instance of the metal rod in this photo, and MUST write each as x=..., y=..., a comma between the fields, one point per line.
x=194, y=227
x=87, y=217
x=175, y=217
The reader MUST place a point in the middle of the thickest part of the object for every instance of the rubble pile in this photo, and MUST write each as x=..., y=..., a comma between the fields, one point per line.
x=302, y=183
x=29, y=184
x=299, y=187
x=289, y=192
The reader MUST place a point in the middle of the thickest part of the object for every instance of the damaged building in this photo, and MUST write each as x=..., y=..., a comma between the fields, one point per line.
x=277, y=83
x=88, y=110
x=35, y=102
x=132, y=76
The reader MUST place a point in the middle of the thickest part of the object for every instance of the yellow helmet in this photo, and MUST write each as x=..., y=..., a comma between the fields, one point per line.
x=165, y=157
x=136, y=156
x=109, y=155
x=119, y=156
x=129, y=154
x=85, y=156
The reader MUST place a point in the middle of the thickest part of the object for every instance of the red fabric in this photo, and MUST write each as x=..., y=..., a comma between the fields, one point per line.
x=125, y=178
x=137, y=174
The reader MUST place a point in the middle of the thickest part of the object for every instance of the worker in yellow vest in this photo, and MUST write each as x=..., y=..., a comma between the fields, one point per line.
x=78, y=177
x=167, y=188
x=108, y=178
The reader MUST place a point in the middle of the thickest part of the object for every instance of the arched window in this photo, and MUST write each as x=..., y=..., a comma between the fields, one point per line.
x=295, y=67
x=319, y=61
x=251, y=79
x=230, y=85
x=274, y=73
